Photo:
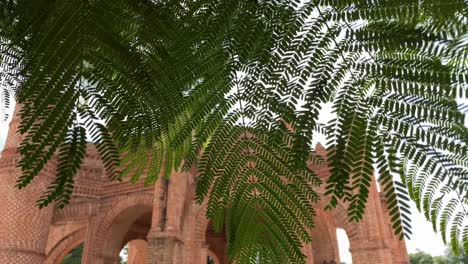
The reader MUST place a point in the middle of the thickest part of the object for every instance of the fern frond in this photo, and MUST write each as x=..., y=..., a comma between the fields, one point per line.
x=235, y=88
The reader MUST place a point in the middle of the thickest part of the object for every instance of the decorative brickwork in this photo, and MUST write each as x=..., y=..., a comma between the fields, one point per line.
x=162, y=223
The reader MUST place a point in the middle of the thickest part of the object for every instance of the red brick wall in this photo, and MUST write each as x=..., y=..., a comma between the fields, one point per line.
x=24, y=227
x=103, y=215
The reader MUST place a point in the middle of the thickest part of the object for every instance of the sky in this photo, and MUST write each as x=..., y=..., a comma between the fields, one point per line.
x=423, y=237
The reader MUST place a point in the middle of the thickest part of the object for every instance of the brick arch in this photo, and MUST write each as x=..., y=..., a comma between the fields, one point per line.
x=65, y=246
x=350, y=228
x=214, y=257
x=202, y=223
x=339, y=217
x=73, y=212
x=324, y=245
x=326, y=223
x=213, y=245
x=366, y=243
x=121, y=215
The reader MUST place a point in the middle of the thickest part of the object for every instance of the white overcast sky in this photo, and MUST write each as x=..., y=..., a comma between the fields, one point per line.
x=423, y=237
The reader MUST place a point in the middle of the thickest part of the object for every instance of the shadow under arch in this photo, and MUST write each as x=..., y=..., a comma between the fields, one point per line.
x=212, y=258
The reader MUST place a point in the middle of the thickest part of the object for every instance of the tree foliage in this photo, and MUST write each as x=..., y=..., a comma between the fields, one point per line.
x=75, y=256
x=235, y=88
x=421, y=257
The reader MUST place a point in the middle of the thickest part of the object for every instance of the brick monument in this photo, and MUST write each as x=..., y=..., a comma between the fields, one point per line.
x=162, y=224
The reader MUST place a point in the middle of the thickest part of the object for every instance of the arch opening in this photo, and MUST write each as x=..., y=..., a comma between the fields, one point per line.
x=74, y=257
x=216, y=242
x=324, y=241
x=210, y=260
x=132, y=224
x=343, y=246
x=69, y=239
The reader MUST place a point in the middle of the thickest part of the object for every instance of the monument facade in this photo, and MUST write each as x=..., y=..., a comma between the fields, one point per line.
x=161, y=224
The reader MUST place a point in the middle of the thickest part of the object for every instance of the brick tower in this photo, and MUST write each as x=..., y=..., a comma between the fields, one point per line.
x=161, y=224
x=24, y=228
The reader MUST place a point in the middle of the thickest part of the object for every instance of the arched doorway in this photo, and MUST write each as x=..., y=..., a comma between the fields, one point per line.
x=343, y=246
x=128, y=220
x=74, y=257
x=324, y=241
x=212, y=259
x=70, y=243
x=131, y=225
x=216, y=243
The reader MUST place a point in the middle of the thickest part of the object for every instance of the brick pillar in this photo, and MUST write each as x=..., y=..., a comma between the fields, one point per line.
x=308, y=252
x=164, y=249
x=371, y=254
x=93, y=251
x=398, y=247
x=89, y=255
x=165, y=243
x=204, y=253
x=24, y=228
x=110, y=260
x=369, y=244
x=137, y=251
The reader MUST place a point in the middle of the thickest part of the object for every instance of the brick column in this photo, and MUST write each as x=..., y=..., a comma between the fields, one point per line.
x=204, y=253
x=89, y=256
x=165, y=243
x=398, y=247
x=110, y=260
x=369, y=244
x=308, y=251
x=24, y=228
x=371, y=254
x=164, y=249
x=137, y=251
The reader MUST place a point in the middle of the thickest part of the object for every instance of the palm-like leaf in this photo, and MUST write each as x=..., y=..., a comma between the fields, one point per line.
x=236, y=87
